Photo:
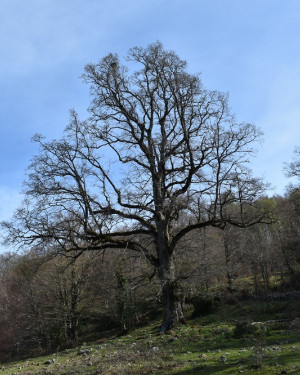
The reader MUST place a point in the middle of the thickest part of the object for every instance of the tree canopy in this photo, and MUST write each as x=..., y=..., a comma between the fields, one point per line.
x=158, y=149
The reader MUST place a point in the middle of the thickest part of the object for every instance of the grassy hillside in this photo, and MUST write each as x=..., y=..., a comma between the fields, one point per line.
x=244, y=338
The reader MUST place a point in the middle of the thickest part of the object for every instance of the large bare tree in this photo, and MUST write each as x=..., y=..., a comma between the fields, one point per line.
x=158, y=147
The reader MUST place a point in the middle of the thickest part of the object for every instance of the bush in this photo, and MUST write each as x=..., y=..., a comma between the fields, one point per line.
x=204, y=305
x=244, y=328
x=230, y=299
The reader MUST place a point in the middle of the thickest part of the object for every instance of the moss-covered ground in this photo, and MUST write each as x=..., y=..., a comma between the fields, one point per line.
x=244, y=338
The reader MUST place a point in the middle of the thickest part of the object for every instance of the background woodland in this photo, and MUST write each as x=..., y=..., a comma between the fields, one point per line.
x=52, y=302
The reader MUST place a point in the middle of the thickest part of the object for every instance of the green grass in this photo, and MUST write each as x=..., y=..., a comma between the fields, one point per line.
x=195, y=348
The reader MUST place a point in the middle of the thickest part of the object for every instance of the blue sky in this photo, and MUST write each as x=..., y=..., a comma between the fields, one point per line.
x=249, y=48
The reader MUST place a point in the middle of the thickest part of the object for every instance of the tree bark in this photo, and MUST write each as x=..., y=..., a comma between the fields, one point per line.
x=227, y=262
x=172, y=298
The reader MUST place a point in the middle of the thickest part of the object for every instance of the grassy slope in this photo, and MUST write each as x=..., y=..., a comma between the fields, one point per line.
x=195, y=348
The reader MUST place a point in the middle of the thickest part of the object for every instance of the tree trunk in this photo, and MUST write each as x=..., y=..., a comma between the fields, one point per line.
x=73, y=327
x=228, y=261
x=172, y=298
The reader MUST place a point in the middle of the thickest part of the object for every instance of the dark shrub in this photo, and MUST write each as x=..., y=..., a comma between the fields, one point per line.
x=204, y=305
x=244, y=328
x=230, y=299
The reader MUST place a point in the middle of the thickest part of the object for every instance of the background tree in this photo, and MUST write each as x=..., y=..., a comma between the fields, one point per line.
x=288, y=233
x=293, y=169
x=157, y=146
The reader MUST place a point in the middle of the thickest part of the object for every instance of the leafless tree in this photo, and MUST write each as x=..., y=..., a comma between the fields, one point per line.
x=158, y=146
x=293, y=169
